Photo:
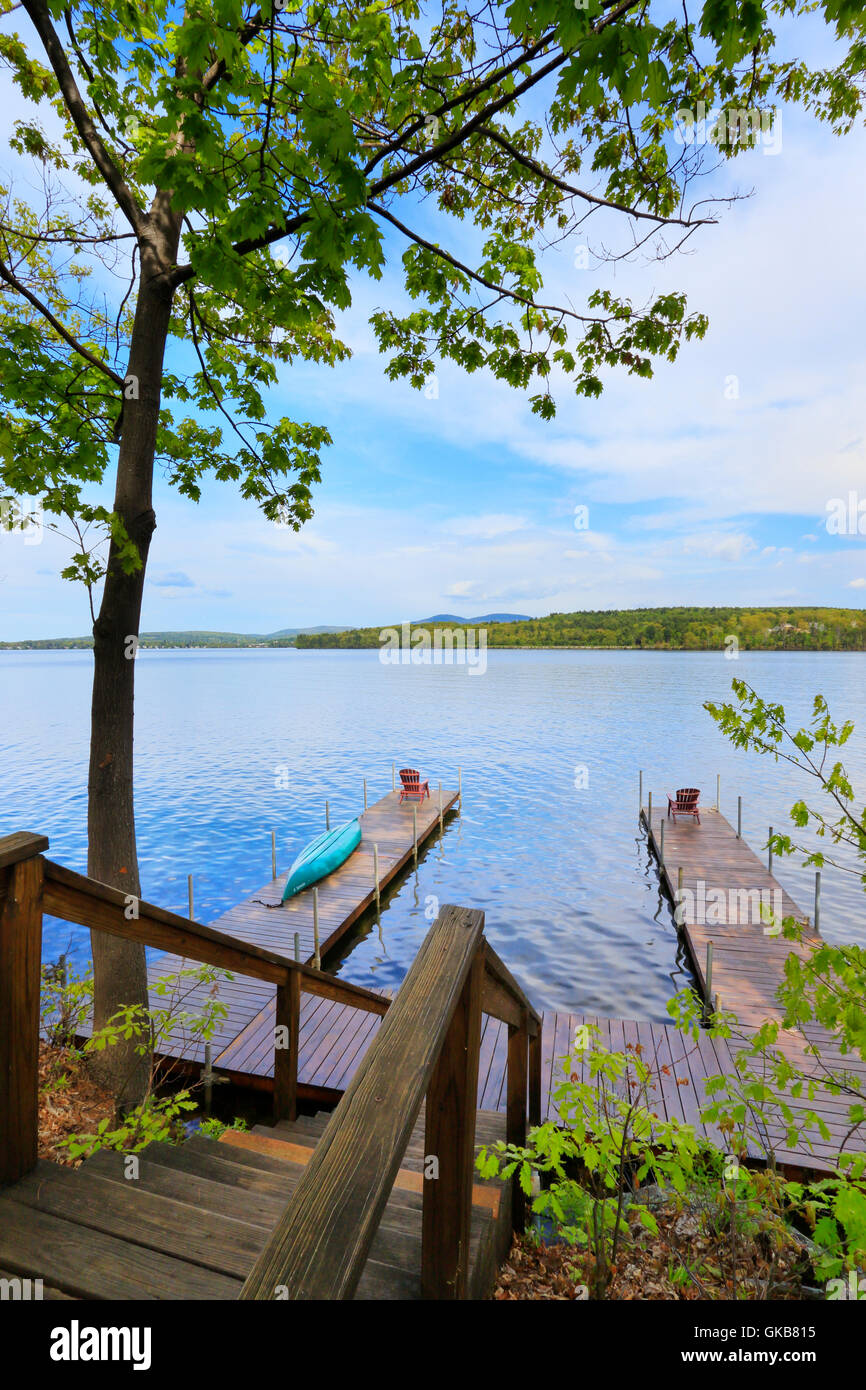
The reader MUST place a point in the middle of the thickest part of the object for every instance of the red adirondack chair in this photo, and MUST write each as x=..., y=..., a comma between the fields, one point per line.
x=685, y=803
x=412, y=784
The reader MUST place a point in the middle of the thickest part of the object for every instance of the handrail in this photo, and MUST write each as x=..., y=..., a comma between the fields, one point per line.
x=89, y=903
x=428, y=1045
x=427, y=1042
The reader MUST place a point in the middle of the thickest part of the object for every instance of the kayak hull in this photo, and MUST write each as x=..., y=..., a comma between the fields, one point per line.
x=322, y=856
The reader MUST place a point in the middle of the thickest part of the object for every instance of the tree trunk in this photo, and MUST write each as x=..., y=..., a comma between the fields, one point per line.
x=120, y=975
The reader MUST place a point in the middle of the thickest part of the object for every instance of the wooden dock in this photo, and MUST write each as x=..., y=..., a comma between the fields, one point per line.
x=723, y=881
x=333, y=1037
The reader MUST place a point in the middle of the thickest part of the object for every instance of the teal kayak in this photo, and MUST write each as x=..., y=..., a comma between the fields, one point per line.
x=322, y=855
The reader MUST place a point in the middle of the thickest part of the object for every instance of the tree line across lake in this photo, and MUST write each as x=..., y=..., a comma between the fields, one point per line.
x=675, y=629
x=672, y=629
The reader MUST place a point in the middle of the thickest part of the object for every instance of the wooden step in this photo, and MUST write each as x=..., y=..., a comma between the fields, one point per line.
x=86, y=1263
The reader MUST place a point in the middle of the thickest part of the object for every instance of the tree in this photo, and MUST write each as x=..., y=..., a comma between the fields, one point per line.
x=223, y=170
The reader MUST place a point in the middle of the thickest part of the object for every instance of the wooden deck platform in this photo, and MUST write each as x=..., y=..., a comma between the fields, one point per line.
x=723, y=880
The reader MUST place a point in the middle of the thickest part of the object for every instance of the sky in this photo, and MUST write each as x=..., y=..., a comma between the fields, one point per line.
x=712, y=483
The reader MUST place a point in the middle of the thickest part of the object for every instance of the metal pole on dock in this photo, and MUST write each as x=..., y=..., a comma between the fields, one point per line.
x=662, y=846
x=274, y=853
x=818, y=901
x=376, y=874
x=708, y=973
x=297, y=945
x=718, y=791
x=365, y=793
x=191, y=905
x=327, y=815
x=415, y=834
x=770, y=852
x=440, y=809
x=317, y=957
x=739, y=818
x=207, y=1078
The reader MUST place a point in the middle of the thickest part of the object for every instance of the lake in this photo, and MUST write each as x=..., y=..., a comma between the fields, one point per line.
x=231, y=744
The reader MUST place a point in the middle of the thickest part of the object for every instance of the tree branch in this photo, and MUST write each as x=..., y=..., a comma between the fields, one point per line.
x=15, y=284
x=81, y=118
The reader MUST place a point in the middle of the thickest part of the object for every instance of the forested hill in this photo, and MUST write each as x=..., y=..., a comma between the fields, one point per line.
x=677, y=629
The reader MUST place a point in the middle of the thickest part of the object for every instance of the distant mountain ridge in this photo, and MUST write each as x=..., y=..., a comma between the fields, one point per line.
x=472, y=622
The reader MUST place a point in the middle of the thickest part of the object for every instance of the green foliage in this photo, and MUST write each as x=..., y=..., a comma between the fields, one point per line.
x=680, y=629
x=299, y=144
x=213, y=1128
x=66, y=1000
x=158, y=1116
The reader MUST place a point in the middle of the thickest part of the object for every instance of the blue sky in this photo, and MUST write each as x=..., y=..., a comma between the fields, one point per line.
x=465, y=502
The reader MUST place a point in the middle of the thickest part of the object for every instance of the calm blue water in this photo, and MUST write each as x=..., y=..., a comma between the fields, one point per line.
x=570, y=897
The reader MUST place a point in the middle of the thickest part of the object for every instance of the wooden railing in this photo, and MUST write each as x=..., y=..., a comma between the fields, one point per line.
x=427, y=1046
x=31, y=885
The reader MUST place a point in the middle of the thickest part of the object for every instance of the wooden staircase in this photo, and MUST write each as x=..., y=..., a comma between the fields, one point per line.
x=193, y=1222
x=307, y=1210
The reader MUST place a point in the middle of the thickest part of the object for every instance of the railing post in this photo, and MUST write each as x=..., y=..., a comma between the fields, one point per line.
x=535, y=1078
x=286, y=1030
x=21, y=876
x=452, y=1098
x=515, y=1118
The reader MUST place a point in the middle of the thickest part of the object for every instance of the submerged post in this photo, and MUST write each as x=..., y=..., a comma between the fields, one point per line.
x=739, y=818
x=415, y=834
x=818, y=901
x=273, y=854
x=190, y=894
x=376, y=875
x=317, y=958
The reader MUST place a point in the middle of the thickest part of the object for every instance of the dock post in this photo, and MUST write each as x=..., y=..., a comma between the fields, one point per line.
x=415, y=834
x=817, y=901
x=376, y=875
x=662, y=846
x=708, y=974
x=718, y=791
x=297, y=945
x=770, y=852
x=327, y=815
x=441, y=825
x=208, y=1079
x=739, y=818
x=317, y=957
x=393, y=777
x=365, y=793
x=191, y=904
x=274, y=853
